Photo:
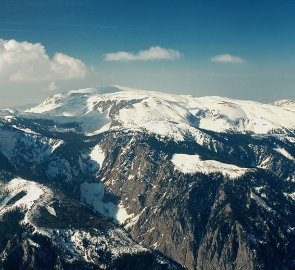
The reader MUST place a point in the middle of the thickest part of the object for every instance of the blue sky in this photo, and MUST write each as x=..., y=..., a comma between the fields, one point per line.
x=239, y=49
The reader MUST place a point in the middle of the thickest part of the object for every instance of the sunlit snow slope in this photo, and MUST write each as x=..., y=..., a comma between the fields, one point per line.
x=176, y=116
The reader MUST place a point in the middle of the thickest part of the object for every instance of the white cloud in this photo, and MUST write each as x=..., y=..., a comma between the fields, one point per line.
x=227, y=58
x=25, y=61
x=153, y=53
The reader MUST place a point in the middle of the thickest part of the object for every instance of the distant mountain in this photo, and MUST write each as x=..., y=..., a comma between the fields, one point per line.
x=169, y=115
x=120, y=178
x=286, y=104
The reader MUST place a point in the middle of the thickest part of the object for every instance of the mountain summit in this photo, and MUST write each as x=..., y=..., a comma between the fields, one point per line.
x=169, y=115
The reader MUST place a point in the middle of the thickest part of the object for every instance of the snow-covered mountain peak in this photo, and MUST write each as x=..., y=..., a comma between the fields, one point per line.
x=145, y=92
x=168, y=115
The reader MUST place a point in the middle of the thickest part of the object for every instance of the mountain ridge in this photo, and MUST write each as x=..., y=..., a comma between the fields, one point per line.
x=214, y=113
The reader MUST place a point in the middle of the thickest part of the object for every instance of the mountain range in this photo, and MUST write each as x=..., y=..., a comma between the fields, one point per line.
x=120, y=178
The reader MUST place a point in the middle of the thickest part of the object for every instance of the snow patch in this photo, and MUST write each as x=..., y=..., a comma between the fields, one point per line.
x=26, y=130
x=122, y=214
x=283, y=152
x=97, y=155
x=54, y=143
x=191, y=164
x=264, y=164
x=93, y=194
x=34, y=244
x=260, y=201
x=290, y=195
x=51, y=210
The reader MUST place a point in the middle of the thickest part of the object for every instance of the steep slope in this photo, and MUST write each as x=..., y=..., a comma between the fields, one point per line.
x=43, y=229
x=208, y=181
x=188, y=214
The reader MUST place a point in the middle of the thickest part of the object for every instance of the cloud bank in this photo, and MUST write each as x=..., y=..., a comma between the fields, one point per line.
x=25, y=61
x=153, y=53
x=227, y=58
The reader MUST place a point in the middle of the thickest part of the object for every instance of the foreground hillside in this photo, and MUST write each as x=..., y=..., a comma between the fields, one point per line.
x=120, y=176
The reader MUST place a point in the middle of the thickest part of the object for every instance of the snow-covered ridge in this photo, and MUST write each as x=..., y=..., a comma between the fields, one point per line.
x=32, y=192
x=286, y=104
x=191, y=164
x=174, y=116
x=22, y=194
x=285, y=153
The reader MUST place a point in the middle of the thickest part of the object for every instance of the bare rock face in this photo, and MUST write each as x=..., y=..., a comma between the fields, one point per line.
x=202, y=221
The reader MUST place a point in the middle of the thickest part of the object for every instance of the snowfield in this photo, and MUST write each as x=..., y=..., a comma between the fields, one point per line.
x=97, y=156
x=191, y=164
x=172, y=116
x=32, y=192
x=93, y=193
